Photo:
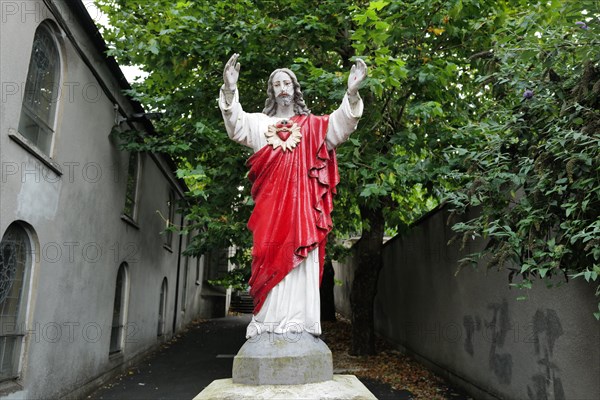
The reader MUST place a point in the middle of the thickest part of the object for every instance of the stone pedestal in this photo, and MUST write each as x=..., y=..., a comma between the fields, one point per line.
x=341, y=387
x=290, y=366
x=290, y=359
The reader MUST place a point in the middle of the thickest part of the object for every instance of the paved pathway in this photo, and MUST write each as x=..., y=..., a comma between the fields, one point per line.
x=202, y=354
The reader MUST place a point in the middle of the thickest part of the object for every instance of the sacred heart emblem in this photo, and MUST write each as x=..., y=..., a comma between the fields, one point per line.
x=285, y=134
x=284, y=130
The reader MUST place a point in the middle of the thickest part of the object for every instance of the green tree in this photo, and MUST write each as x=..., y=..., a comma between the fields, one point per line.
x=421, y=92
x=534, y=171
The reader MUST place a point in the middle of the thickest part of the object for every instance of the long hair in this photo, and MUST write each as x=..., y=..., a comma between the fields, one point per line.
x=271, y=105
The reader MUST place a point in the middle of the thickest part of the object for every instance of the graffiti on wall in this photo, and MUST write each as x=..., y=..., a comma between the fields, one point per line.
x=546, y=384
x=498, y=332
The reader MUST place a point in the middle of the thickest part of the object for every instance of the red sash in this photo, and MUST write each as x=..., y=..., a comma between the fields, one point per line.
x=293, y=194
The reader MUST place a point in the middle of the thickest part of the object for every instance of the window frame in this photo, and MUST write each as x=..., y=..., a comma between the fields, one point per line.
x=24, y=303
x=170, y=218
x=132, y=215
x=119, y=346
x=48, y=127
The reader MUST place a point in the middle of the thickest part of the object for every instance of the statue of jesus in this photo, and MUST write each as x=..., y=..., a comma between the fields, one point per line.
x=294, y=173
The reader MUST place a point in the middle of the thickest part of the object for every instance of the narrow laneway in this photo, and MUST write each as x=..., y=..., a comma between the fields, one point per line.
x=190, y=362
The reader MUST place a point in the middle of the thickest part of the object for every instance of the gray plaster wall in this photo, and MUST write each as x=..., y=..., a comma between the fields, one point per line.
x=470, y=327
x=75, y=223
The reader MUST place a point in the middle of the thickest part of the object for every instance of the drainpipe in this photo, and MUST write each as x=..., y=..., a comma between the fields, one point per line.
x=177, y=280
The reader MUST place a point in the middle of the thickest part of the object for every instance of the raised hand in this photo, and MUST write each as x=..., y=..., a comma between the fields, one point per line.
x=231, y=72
x=357, y=74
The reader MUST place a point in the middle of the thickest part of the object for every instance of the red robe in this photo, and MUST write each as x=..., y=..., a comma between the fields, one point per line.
x=293, y=194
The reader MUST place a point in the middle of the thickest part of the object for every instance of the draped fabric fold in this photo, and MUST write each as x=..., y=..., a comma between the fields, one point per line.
x=293, y=194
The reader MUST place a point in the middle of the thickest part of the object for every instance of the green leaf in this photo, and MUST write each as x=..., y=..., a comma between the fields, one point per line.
x=378, y=5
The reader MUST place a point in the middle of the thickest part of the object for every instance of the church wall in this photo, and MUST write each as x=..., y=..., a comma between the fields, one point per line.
x=75, y=219
x=469, y=327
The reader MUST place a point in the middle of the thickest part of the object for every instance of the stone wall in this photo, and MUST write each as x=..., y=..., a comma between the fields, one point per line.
x=469, y=326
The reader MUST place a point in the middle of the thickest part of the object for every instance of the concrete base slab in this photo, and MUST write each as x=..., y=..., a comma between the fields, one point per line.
x=341, y=387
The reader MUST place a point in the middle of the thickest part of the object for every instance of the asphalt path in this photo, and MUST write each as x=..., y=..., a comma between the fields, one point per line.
x=185, y=366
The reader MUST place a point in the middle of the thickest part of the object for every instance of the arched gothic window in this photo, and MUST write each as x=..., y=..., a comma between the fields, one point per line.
x=40, y=98
x=119, y=320
x=15, y=266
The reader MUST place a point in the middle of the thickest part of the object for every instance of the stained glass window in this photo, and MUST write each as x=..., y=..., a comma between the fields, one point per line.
x=132, y=185
x=15, y=256
x=117, y=334
x=41, y=91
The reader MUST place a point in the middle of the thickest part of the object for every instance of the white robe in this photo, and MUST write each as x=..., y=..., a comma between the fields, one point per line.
x=293, y=305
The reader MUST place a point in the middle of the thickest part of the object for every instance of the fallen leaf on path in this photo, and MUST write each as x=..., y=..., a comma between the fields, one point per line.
x=389, y=366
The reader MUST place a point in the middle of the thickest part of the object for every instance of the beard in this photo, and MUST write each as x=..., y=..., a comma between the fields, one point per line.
x=283, y=100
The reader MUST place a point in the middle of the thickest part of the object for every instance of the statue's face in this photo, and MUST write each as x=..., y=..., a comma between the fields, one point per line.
x=283, y=87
